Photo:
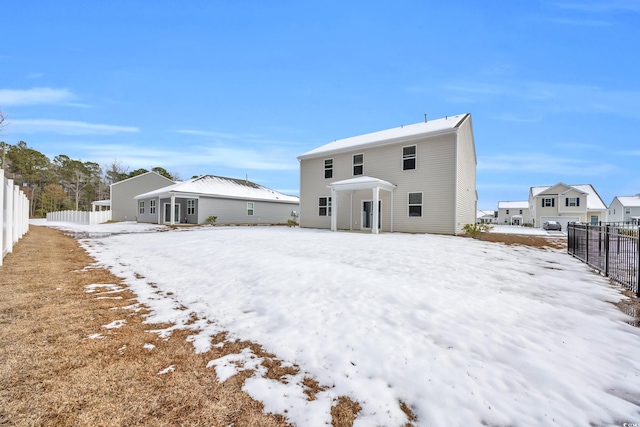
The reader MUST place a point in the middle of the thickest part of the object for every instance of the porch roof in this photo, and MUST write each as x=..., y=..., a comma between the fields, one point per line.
x=361, y=183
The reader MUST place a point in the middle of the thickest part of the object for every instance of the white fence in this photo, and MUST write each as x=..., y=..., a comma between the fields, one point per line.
x=14, y=205
x=80, y=217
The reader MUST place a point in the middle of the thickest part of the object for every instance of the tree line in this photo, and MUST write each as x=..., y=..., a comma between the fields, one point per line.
x=63, y=183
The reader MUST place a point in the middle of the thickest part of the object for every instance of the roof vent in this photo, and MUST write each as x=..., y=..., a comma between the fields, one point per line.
x=425, y=117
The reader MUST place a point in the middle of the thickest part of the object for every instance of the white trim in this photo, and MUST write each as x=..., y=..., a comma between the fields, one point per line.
x=409, y=204
x=415, y=157
x=353, y=164
x=324, y=171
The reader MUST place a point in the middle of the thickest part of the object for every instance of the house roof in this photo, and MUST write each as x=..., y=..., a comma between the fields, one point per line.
x=481, y=214
x=629, y=201
x=218, y=186
x=594, y=202
x=389, y=136
x=514, y=205
x=143, y=174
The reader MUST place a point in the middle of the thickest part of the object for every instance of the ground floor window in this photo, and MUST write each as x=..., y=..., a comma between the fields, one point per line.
x=250, y=208
x=324, y=206
x=191, y=207
x=415, y=204
x=152, y=207
x=594, y=219
x=141, y=207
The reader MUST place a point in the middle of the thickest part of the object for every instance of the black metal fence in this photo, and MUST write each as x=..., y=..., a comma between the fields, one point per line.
x=611, y=248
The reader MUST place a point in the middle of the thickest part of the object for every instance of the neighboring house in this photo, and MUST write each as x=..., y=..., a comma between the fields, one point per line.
x=624, y=209
x=419, y=178
x=232, y=201
x=565, y=203
x=486, y=217
x=513, y=213
x=123, y=205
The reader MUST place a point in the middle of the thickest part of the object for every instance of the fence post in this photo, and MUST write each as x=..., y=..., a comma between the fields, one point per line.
x=586, y=247
x=638, y=263
x=606, y=251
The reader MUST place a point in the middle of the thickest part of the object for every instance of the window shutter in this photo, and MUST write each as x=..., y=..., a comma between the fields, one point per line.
x=566, y=201
x=553, y=203
x=542, y=202
x=577, y=201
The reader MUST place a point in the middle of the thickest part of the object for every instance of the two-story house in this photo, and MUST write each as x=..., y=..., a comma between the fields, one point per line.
x=513, y=213
x=419, y=178
x=625, y=209
x=565, y=203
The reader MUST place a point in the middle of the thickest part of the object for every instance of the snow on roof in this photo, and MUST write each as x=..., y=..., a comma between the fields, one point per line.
x=514, y=205
x=209, y=185
x=594, y=202
x=408, y=132
x=630, y=201
x=480, y=214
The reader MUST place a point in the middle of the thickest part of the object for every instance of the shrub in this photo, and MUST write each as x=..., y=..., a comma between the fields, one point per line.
x=211, y=219
x=474, y=230
x=291, y=223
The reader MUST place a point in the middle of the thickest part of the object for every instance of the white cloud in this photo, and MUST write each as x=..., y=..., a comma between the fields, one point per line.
x=543, y=164
x=67, y=127
x=34, y=96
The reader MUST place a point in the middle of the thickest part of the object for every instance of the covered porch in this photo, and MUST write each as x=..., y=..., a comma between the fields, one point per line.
x=357, y=184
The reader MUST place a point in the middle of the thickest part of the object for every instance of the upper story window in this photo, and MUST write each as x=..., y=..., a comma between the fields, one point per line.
x=152, y=206
x=627, y=210
x=324, y=206
x=415, y=204
x=250, y=208
x=141, y=207
x=358, y=164
x=548, y=202
x=520, y=211
x=409, y=157
x=572, y=201
x=328, y=168
x=191, y=207
x=507, y=211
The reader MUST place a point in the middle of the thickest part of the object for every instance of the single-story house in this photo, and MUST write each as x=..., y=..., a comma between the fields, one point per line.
x=123, y=205
x=232, y=201
x=624, y=209
x=419, y=178
x=565, y=203
x=513, y=213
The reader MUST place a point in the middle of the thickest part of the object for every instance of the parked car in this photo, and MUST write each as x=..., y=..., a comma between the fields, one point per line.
x=552, y=225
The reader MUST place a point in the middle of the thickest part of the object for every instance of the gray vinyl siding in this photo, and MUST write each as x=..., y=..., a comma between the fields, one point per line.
x=148, y=217
x=434, y=176
x=232, y=211
x=466, y=196
x=123, y=205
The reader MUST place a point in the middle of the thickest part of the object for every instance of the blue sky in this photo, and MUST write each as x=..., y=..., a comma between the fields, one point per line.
x=241, y=88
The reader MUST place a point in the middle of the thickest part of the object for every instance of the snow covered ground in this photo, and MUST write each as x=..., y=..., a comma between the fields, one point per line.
x=464, y=332
x=517, y=229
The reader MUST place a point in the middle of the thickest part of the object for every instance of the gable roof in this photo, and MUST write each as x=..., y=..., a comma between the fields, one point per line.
x=218, y=186
x=389, y=136
x=629, y=201
x=594, y=202
x=514, y=205
x=144, y=174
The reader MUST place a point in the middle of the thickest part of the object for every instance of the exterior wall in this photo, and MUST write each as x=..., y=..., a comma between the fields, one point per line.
x=148, y=216
x=434, y=176
x=616, y=211
x=466, y=196
x=123, y=205
x=572, y=210
x=506, y=215
x=231, y=211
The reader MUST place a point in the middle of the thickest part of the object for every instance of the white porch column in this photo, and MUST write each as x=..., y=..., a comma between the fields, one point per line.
x=173, y=209
x=334, y=210
x=376, y=212
x=392, y=206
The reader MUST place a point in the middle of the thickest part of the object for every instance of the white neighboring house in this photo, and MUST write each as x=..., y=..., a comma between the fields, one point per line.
x=513, y=213
x=487, y=217
x=419, y=178
x=625, y=209
x=232, y=201
x=565, y=203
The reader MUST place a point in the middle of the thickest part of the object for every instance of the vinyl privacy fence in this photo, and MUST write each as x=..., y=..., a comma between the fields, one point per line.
x=80, y=217
x=14, y=205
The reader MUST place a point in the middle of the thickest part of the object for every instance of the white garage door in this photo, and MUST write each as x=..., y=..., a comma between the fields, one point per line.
x=563, y=220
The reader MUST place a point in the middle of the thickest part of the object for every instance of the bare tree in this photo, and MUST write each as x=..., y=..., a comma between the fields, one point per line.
x=3, y=124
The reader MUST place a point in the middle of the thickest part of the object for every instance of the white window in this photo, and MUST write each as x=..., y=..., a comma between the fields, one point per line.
x=358, y=164
x=250, y=208
x=409, y=157
x=141, y=207
x=191, y=207
x=415, y=204
x=328, y=168
x=324, y=206
x=627, y=210
x=152, y=206
x=572, y=201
